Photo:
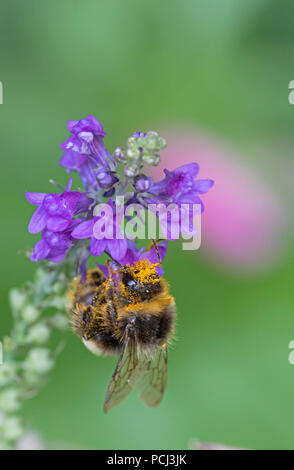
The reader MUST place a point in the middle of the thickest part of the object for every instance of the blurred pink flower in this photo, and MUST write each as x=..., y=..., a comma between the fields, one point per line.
x=244, y=221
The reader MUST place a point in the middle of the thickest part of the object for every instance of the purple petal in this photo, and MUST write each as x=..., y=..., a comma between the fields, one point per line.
x=129, y=259
x=117, y=248
x=35, y=198
x=69, y=201
x=88, y=124
x=69, y=184
x=71, y=124
x=96, y=126
x=202, y=186
x=104, y=269
x=73, y=223
x=190, y=198
x=82, y=268
x=72, y=143
x=162, y=248
x=40, y=251
x=57, y=224
x=158, y=187
x=56, y=258
x=100, y=152
x=87, y=174
x=73, y=160
x=83, y=203
x=38, y=220
x=86, y=136
x=159, y=271
x=84, y=230
x=191, y=169
x=151, y=254
x=97, y=247
x=132, y=255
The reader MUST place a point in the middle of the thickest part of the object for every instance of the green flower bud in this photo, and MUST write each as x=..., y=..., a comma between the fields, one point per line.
x=17, y=299
x=32, y=379
x=30, y=314
x=132, y=142
x=131, y=171
x=41, y=275
x=58, y=288
x=141, y=142
x=133, y=153
x=119, y=154
x=38, y=333
x=38, y=361
x=151, y=159
x=59, y=321
x=152, y=139
x=162, y=143
x=59, y=302
x=141, y=147
x=6, y=374
x=11, y=428
x=8, y=344
x=9, y=400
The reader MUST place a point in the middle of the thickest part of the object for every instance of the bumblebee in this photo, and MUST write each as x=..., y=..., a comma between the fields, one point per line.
x=130, y=313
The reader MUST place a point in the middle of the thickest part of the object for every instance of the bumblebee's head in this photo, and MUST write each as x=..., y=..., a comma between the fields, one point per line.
x=140, y=282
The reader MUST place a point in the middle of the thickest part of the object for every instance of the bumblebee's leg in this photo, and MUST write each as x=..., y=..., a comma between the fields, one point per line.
x=97, y=295
x=111, y=295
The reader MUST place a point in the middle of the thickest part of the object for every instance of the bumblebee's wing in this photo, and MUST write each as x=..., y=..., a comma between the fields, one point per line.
x=153, y=381
x=124, y=375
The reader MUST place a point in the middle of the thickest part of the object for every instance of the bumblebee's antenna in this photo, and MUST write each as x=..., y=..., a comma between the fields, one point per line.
x=154, y=242
x=114, y=261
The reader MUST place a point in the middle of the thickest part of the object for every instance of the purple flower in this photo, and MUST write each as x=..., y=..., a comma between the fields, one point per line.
x=54, y=245
x=180, y=186
x=110, y=237
x=85, y=149
x=55, y=211
x=86, y=136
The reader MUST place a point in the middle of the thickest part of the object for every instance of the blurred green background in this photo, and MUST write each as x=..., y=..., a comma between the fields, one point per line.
x=222, y=66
